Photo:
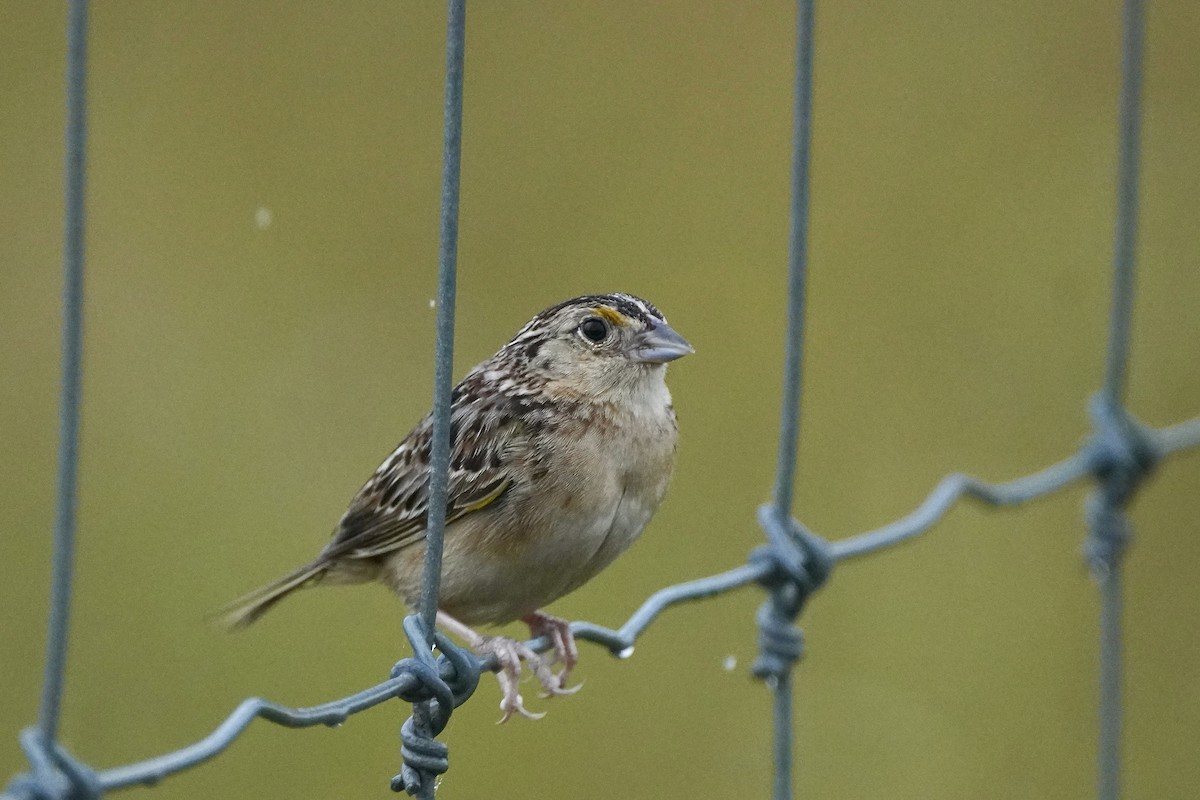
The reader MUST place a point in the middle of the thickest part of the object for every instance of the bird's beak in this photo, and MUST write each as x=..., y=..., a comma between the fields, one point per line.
x=658, y=345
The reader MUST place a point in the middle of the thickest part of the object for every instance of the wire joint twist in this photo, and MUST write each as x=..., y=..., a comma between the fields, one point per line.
x=54, y=773
x=424, y=757
x=801, y=562
x=1122, y=456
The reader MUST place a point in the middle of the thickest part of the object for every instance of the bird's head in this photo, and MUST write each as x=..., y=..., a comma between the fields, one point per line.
x=599, y=344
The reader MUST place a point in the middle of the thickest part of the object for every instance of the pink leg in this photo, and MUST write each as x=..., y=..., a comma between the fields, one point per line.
x=558, y=631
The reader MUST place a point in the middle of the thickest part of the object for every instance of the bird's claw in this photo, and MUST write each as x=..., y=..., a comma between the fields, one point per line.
x=560, y=691
x=513, y=703
x=509, y=655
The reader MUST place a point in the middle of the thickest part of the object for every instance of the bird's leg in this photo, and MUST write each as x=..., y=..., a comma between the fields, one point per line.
x=558, y=631
x=509, y=655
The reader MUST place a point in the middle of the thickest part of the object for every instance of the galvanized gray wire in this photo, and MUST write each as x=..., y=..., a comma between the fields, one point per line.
x=419, y=731
x=1109, y=528
x=781, y=642
x=74, y=191
x=443, y=376
x=793, y=564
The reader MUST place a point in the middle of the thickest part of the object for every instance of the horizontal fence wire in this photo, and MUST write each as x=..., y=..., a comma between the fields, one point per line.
x=619, y=641
x=795, y=562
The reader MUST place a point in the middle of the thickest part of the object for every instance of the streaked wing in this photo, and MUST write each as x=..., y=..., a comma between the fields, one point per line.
x=390, y=511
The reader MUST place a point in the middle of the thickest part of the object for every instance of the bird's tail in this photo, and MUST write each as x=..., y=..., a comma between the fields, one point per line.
x=248, y=608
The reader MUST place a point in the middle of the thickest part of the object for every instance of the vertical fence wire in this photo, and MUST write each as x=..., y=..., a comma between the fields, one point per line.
x=439, y=459
x=75, y=184
x=1108, y=757
x=1108, y=760
x=789, y=423
x=1125, y=233
x=789, y=426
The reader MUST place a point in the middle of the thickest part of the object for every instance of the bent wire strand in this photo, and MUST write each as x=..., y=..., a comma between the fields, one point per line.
x=945, y=495
x=1172, y=439
x=1166, y=440
x=1047, y=481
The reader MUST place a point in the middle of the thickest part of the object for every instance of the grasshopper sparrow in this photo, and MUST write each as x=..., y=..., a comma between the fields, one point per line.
x=562, y=446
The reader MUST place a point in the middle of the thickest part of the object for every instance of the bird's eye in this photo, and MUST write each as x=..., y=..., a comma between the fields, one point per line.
x=594, y=329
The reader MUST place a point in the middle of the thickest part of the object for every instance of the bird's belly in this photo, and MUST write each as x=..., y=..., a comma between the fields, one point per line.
x=499, y=583
x=547, y=539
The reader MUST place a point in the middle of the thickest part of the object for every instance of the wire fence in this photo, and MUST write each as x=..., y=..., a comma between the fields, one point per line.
x=792, y=565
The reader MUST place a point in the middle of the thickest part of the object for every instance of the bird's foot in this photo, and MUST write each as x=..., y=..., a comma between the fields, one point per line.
x=509, y=655
x=558, y=631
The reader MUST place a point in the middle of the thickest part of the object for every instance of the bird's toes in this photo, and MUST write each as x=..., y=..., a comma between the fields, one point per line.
x=562, y=641
x=509, y=655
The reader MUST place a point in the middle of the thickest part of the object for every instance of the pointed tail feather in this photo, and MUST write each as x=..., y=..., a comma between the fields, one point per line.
x=248, y=608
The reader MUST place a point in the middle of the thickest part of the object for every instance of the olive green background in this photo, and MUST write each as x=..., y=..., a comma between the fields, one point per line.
x=244, y=375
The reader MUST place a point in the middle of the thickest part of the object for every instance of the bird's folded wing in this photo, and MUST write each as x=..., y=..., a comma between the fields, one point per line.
x=390, y=511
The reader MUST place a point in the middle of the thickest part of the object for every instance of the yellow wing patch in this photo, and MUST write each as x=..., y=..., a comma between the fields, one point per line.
x=482, y=502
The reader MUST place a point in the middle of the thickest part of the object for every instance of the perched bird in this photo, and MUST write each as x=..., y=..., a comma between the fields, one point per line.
x=562, y=445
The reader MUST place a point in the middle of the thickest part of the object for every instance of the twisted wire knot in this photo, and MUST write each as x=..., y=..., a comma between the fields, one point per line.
x=424, y=757
x=1123, y=455
x=799, y=555
x=54, y=773
x=800, y=563
x=27, y=787
x=1109, y=533
x=780, y=642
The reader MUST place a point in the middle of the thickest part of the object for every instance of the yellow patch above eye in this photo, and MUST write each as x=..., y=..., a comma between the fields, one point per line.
x=612, y=315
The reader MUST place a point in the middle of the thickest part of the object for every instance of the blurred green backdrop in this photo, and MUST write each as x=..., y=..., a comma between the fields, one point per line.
x=262, y=226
